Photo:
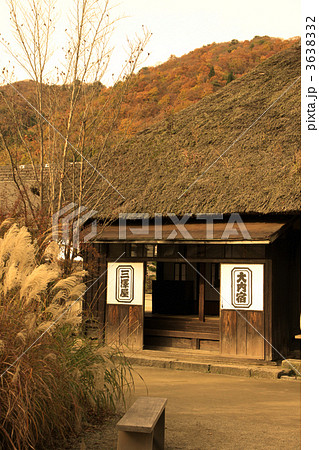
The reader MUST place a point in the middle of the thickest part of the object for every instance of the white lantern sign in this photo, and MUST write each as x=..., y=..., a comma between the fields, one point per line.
x=242, y=286
x=125, y=283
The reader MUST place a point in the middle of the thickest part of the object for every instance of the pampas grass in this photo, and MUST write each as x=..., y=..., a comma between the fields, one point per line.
x=48, y=370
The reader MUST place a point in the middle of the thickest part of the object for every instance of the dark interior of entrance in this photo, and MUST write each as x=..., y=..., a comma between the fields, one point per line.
x=182, y=305
x=176, y=289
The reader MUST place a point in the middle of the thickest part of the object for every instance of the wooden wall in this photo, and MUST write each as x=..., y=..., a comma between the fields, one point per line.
x=94, y=256
x=239, y=333
x=118, y=324
x=124, y=325
x=249, y=333
x=286, y=305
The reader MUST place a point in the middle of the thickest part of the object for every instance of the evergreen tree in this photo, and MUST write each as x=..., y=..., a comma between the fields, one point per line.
x=211, y=72
x=230, y=77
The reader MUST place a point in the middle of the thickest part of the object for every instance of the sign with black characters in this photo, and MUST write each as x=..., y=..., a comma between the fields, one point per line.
x=242, y=286
x=125, y=283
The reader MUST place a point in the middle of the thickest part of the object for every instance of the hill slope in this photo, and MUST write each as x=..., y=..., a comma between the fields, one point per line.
x=180, y=82
x=156, y=93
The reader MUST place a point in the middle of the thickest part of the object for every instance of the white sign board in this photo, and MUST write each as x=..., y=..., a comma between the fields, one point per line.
x=242, y=286
x=125, y=283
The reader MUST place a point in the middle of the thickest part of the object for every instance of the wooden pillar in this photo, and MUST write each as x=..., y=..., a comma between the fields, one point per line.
x=201, y=293
x=268, y=351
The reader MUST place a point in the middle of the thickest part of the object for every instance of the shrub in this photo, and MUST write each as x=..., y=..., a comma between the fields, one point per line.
x=230, y=77
x=211, y=72
x=48, y=370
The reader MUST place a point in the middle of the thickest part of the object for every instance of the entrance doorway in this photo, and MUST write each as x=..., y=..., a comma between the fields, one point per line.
x=177, y=289
x=181, y=308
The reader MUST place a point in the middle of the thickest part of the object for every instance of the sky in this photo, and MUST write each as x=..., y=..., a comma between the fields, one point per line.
x=179, y=26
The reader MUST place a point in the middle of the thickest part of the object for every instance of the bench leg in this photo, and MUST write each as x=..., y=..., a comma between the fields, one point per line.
x=134, y=441
x=159, y=433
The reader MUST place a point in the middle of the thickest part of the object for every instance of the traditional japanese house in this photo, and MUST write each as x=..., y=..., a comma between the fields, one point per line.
x=169, y=280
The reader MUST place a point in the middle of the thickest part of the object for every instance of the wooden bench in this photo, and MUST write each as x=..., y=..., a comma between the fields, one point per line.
x=143, y=425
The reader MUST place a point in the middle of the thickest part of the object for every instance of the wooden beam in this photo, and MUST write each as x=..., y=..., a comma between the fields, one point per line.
x=201, y=293
x=214, y=336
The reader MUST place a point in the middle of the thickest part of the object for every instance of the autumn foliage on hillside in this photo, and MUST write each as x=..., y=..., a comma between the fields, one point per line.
x=153, y=94
x=162, y=90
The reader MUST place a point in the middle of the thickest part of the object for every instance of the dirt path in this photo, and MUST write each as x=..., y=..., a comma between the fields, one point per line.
x=206, y=411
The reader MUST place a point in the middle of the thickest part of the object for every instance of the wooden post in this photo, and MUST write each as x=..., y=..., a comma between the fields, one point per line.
x=268, y=350
x=201, y=295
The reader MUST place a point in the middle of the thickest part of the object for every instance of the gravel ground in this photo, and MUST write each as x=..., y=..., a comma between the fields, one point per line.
x=207, y=411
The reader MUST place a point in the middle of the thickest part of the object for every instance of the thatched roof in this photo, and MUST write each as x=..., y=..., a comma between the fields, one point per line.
x=260, y=170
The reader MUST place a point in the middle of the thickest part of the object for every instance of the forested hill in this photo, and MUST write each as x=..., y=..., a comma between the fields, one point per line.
x=167, y=88
x=155, y=93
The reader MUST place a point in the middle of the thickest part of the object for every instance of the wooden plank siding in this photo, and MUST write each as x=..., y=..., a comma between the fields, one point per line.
x=94, y=259
x=124, y=325
x=181, y=332
x=255, y=334
x=249, y=333
x=239, y=333
x=228, y=327
x=119, y=324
